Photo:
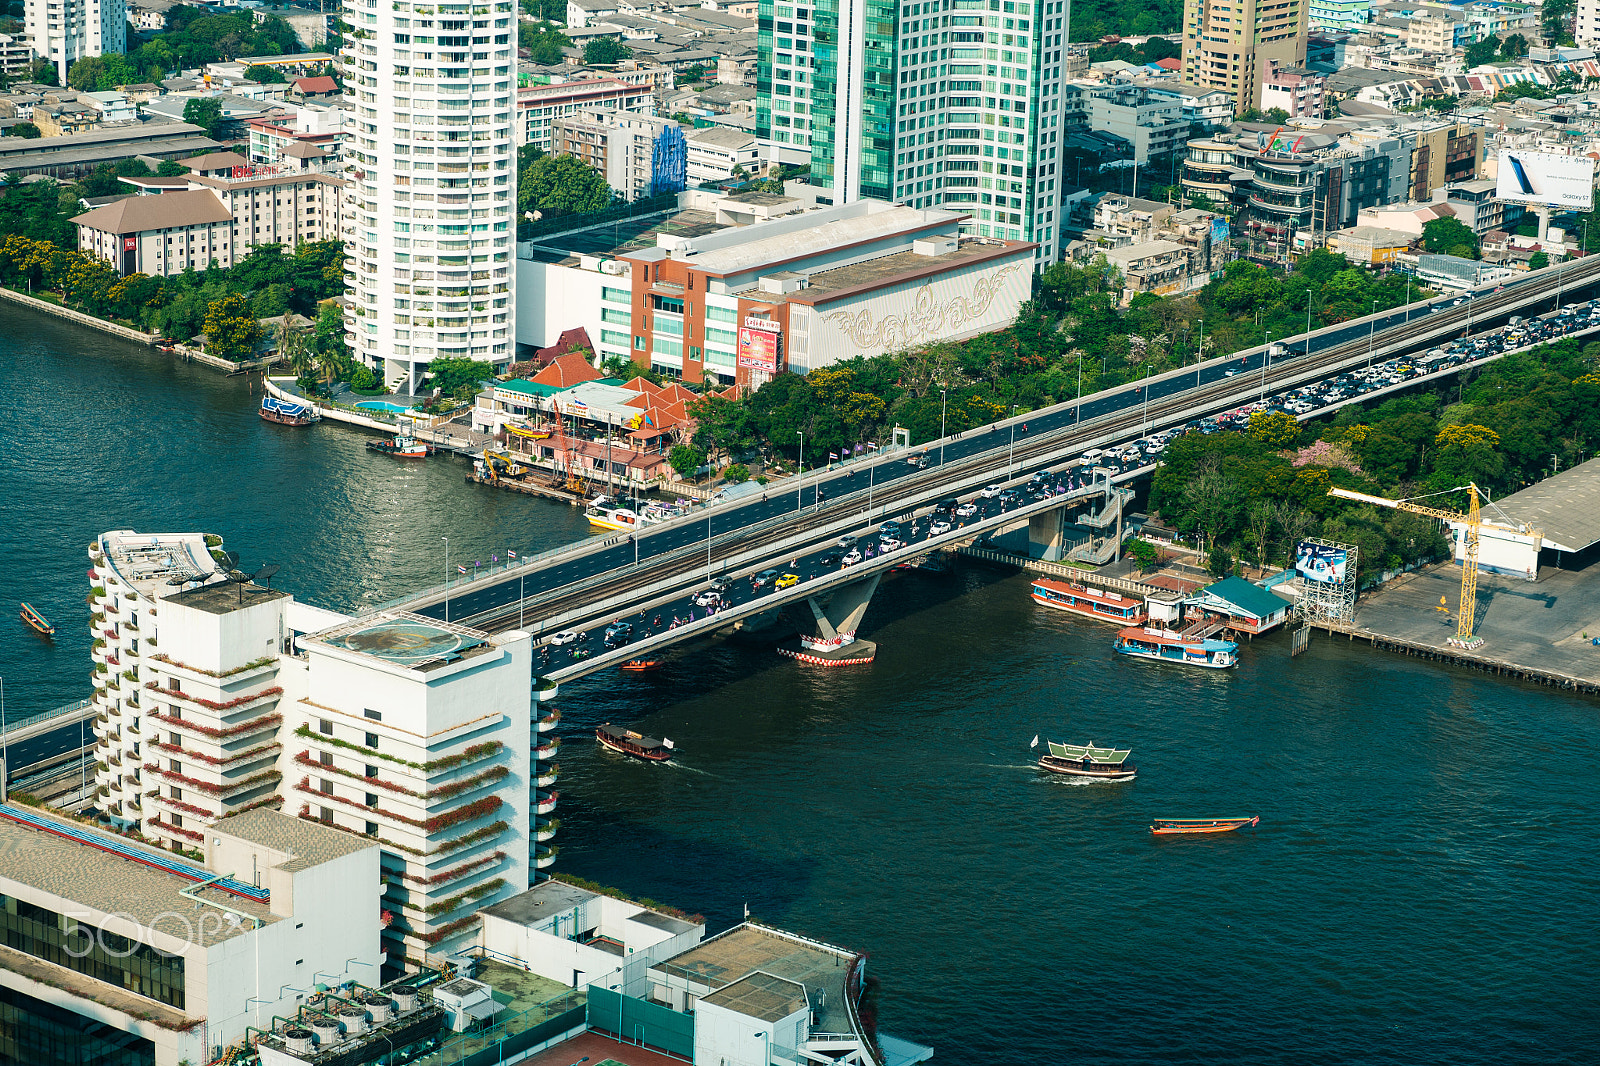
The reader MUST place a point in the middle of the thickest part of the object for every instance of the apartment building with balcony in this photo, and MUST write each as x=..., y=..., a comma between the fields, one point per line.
x=640, y=155
x=1151, y=122
x=1299, y=91
x=1341, y=14
x=65, y=31
x=1227, y=43
x=431, y=154
x=222, y=696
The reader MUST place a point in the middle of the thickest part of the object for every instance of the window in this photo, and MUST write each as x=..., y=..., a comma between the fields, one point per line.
x=372, y=799
x=372, y=829
x=372, y=740
x=326, y=727
x=175, y=766
x=374, y=715
x=325, y=758
x=177, y=793
x=371, y=771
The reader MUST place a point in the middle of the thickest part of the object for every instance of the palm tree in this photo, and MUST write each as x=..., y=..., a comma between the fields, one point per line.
x=294, y=350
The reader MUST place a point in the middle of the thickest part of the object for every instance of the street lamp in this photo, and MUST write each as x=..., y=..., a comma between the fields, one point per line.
x=1200, y=353
x=1308, y=321
x=800, y=469
x=1012, y=449
x=446, y=578
x=1372, y=329
x=944, y=398
x=1077, y=406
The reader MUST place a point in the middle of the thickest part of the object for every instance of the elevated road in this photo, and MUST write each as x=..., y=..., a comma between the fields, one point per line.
x=604, y=578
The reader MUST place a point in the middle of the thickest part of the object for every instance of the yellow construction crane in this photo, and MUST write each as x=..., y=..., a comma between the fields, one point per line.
x=1467, y=614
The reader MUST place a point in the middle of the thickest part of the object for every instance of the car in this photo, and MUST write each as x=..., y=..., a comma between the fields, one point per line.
x=919, y=461
x=787, y=581
x=990, y=492
x=1230, y=372
x=830, y=561
x=1041, y=476
x=618, y=633
x=1010, y=495
x=889, y=529
x=890, y=544
x=723, y=582
x=966, y=510
x=851, y=557
x=708, y=598
x=847, y=541
x=566, y=636
x=939, y=527
x=946, y=505
x=764, y=579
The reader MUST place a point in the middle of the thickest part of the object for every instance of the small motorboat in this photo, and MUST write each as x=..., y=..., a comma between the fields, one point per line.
x=641, y=666
x=1165, y=826
x=402, y=447
x=38, y=621
x=628, y=742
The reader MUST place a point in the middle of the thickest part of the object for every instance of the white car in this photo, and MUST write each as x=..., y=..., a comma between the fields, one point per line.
x=851, y=557
x=940, y=526
x=566, y=636
x=966, y=510
x=708, y=599
x=990, y=492
x=890, y=544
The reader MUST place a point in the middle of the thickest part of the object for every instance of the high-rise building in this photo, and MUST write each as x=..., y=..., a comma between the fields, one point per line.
x=64, y=31
x=216, y=697
x=1341, y=14
x=433, y=200
x=955, y=103
x=1227, y=45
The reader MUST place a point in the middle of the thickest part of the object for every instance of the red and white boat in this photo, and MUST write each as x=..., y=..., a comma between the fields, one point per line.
x=628, y=742
x=402, y=447
x=1089, y=602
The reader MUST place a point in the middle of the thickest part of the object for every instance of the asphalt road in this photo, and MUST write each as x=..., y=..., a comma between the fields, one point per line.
x=656, y=541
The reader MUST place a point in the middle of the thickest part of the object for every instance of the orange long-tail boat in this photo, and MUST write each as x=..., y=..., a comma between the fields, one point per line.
x=1165, y=826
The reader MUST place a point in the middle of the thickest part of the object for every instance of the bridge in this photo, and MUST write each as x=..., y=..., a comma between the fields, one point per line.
x=655, y=574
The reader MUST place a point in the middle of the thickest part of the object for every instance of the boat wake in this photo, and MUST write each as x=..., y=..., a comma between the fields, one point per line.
x=674, y=764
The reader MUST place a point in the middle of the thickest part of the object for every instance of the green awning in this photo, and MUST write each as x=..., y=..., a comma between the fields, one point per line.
x=1102, y=756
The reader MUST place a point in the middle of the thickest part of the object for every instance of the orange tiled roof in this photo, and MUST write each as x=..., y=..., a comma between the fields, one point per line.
x=566, y=371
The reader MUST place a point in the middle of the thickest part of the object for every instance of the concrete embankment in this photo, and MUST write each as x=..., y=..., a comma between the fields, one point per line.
x=46, y=307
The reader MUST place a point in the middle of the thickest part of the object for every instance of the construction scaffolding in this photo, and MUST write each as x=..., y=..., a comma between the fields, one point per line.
x=1326, y=601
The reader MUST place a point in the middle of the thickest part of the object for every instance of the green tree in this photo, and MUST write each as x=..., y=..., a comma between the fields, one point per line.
x=1515, y=46
x=171, y=168
x=459, y=378
x=604, y=51
x=43, y=72
x=561, y=185
x=1274, y=428
x=1451, y=237
x=1538, y=260
x=265, y=74
x=734, y=473
x=205, y=112
x=686, y=459
x=1481, y=52
x=1219, y=561
x=1145, y=555
x=543, y=41
x=230, y=327
x=1276, y=114
x=24, y=129
x=84, y=74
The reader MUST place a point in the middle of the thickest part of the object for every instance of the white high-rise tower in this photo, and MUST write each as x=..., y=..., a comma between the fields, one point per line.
x=433, y=193
x=65, y=31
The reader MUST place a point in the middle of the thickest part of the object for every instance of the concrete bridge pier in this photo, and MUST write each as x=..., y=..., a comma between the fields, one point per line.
x=1047, y=534
x=828, y=635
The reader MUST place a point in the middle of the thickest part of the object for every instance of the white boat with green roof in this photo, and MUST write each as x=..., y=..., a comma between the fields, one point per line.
x=1073, y=760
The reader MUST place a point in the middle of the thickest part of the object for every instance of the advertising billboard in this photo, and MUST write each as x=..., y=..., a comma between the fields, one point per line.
x=758, y=345
x=1322, y=563
x=1545, y=179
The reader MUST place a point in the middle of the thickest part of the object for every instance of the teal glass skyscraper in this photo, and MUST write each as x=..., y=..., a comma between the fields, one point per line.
x=949, y=103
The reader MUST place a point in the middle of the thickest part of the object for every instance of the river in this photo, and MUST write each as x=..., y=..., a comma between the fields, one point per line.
x=1421, y=889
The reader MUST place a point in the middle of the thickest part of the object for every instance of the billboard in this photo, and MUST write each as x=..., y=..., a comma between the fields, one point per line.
x=758, y=345
x=1545, y=179
x=1322, y=563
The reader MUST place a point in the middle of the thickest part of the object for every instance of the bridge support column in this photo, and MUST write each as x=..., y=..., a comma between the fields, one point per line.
x=828, y=635
x=1047, y=534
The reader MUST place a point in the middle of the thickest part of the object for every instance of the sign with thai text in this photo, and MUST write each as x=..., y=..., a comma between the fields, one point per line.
x=758, y=344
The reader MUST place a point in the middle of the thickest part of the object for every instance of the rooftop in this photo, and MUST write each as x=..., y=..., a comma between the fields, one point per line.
x=620, y=238
x=542, y=901
x=761, y=996
x=148, y=561
x=747, y=948
x=225, y=597
x=1565, y=508
x=409, y=641
x=782, y=240
x=137, y=214
x=827, y=285
x=310, y=843
x=106, y=883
